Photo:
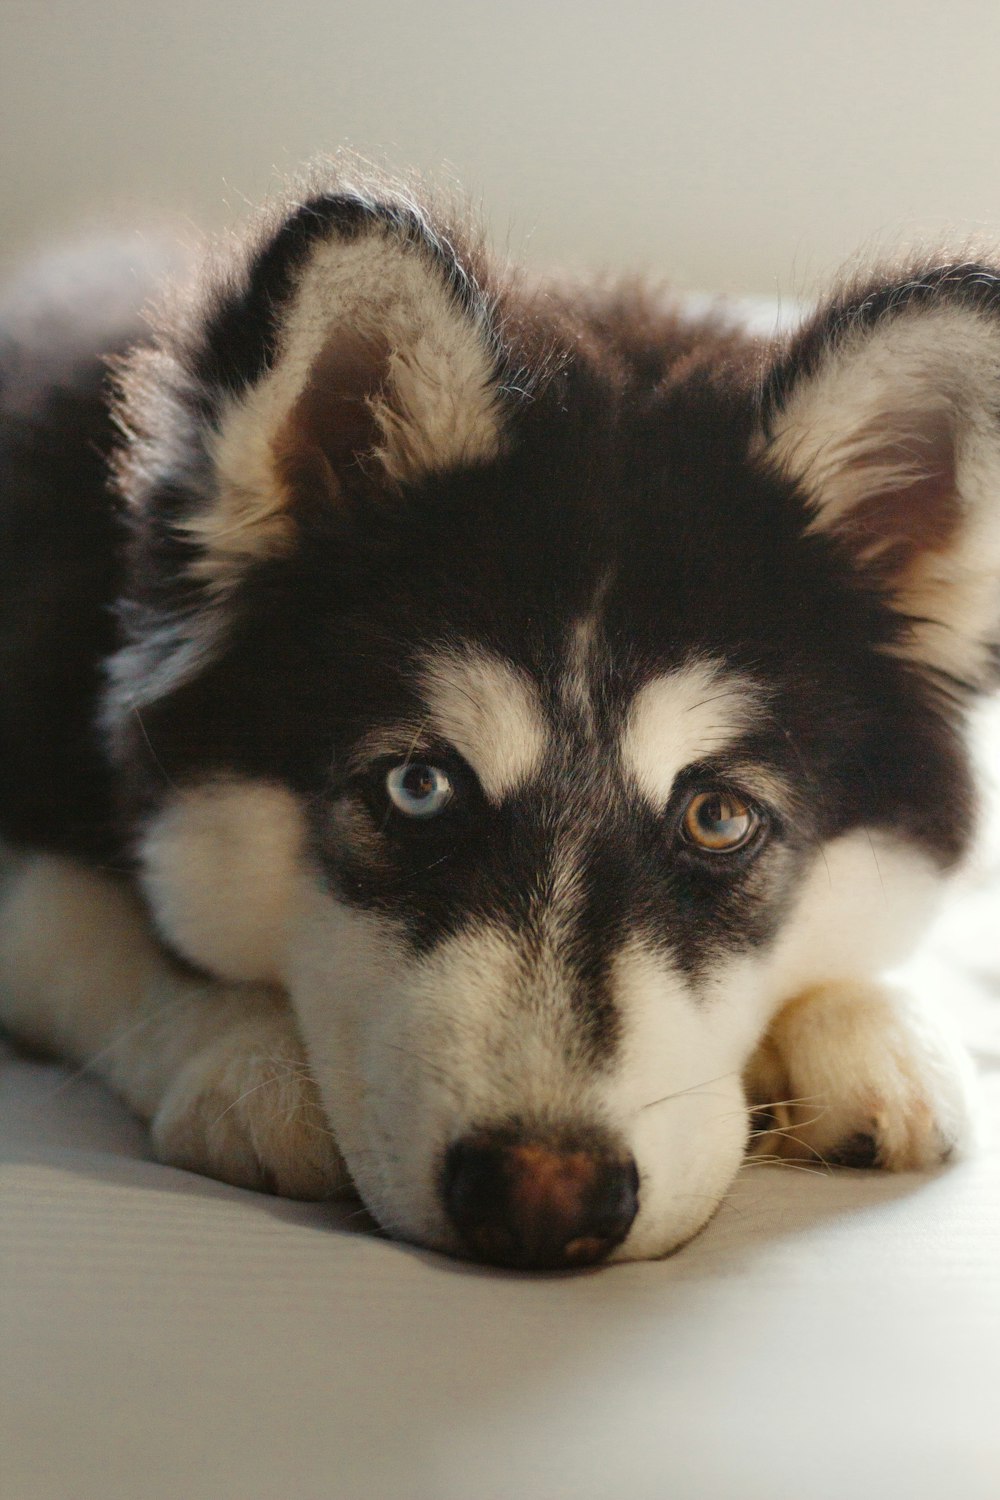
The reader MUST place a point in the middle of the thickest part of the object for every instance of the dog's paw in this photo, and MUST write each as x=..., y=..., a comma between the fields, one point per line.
x=860, y=1075
x=245, y=1109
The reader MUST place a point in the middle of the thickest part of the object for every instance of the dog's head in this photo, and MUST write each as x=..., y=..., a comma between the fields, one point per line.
x=546, y=688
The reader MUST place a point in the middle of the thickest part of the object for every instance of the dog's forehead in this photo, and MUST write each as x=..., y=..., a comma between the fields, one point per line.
x=509, y=722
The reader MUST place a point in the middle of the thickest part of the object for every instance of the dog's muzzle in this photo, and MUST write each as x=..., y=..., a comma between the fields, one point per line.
x=536, y=1203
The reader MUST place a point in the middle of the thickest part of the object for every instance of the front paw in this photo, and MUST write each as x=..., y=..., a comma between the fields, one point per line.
x=245, y=1110
x=860, y=1075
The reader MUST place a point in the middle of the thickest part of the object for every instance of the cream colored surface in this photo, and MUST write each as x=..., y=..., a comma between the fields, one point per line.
x=746, y=147
x=828, y=1335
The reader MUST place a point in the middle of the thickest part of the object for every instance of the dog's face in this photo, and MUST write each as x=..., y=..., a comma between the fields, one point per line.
x=545, y=703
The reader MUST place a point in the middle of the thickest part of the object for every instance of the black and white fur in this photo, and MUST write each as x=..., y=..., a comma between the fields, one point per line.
x=379, y=503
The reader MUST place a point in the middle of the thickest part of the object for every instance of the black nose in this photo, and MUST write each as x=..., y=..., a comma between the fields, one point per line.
x=531, y=1203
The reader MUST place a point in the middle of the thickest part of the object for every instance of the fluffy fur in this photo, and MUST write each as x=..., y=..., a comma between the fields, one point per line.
x=473, y=743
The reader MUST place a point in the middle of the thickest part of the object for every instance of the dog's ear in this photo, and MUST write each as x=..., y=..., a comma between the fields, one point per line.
x=886, y=412
x=355, y=349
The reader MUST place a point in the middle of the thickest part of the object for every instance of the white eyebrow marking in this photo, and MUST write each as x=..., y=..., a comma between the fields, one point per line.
x=683, y=717
x=491, y=712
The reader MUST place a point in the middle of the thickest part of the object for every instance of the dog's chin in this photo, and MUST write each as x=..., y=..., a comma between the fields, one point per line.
x=679, y=1198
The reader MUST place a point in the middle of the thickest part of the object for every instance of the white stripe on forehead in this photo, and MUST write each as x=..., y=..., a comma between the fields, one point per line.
x=583, y=658
x=490, y=712
x=685, y=716
x=576, y=688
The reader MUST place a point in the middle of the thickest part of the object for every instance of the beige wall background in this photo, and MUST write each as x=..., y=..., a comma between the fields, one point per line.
x=743, y=147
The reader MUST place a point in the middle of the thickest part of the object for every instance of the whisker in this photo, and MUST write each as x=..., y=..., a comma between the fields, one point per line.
x=786, y=1130
x=133, y=708
x=726, y=1201
x=362, y=1213
x=693, y=1089
x=820, y=1168
x=287, y=1069
x=777, y=1103
x=86, y=1068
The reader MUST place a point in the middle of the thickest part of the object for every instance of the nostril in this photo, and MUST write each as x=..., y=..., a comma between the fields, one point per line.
x=474, y=1180
x=524, y=1202
x=617, y=1195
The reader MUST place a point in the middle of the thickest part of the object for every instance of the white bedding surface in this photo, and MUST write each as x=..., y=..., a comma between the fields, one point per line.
x=829, y=1335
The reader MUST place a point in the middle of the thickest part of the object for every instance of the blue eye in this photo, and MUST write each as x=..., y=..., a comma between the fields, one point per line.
x=418, y=790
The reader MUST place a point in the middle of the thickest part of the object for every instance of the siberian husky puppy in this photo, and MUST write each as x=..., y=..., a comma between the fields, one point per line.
x=484, y=740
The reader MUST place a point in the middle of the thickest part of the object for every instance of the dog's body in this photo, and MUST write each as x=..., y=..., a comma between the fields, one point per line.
x=481, y=725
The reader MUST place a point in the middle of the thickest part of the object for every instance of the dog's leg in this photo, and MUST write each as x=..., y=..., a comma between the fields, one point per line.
x=218, y=1070
x=860, y=1074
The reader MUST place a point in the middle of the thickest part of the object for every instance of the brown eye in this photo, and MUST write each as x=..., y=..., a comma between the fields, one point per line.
x=719, y=822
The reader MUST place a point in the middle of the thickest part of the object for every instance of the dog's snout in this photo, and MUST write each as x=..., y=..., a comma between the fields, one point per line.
x=528, y=1203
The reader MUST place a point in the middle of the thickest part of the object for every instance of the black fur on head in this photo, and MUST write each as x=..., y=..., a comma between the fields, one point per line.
x=619, y=458
x=644, y=471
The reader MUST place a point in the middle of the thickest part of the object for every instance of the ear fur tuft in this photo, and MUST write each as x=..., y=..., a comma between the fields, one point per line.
x=886, y=412
x=358, y=342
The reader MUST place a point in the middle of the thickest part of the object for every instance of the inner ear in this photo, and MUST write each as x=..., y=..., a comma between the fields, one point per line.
x=388, y=369
x=332, y=425
x=898, y=488
x=883, y=412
